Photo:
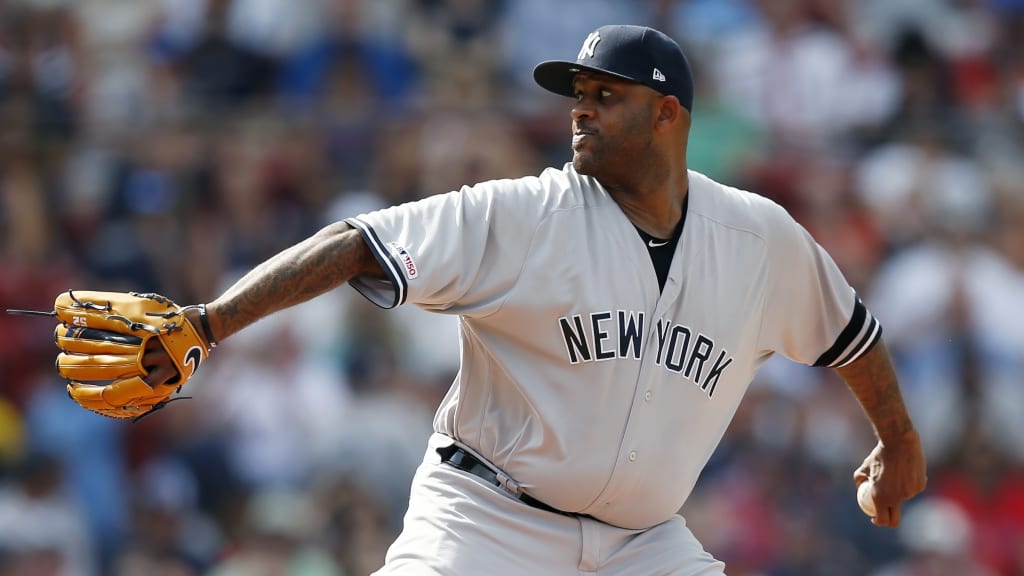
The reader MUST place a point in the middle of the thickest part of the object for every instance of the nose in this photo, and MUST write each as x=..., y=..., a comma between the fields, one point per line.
x=582, y=110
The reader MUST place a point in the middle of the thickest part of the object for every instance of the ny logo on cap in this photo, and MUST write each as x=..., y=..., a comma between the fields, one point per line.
x=588, y=46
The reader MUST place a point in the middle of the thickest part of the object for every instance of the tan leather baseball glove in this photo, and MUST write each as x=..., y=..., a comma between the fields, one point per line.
x=102, y=337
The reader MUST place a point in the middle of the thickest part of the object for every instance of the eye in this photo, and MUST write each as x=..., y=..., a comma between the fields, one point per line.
x=605, y=93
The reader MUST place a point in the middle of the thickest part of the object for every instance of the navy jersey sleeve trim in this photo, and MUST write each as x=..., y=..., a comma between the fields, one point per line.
x=860, y=335
x=391, y=267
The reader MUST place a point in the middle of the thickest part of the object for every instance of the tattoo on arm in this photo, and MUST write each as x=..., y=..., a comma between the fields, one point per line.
x=308, y=269
x=873, y=381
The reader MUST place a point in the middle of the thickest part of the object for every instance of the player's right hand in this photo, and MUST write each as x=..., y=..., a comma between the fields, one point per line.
x=899, y=470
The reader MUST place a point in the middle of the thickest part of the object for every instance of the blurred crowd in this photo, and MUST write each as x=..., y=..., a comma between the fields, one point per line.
x=170, y=145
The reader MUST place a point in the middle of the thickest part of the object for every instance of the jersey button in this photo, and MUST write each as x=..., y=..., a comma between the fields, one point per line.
x=632, y=455
x=647, y=396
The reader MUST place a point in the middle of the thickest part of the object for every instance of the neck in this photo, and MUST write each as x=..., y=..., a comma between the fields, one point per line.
x=653, y=204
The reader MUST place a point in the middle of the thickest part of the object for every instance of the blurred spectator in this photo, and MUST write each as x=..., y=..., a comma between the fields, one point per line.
x=988, y=487
x=438, y=150
x=358, y=49
x=800, y=80
x=275, y=28
x=358, y=531
x=281, y=527
x=954, y=332
x=118, y=94
x=42, y=530
x=926, y=103
x=87, y=448
x=920, y=186
x=381, y=443
x=537, y=30
x=724, y=143
x=12, y=437
x=168, y=527
x=214, y=68
x=467, y=30
x=703, y=23
x=150, y=186
x=999, y=328
x=938, y=538
x=41, y=61
x=134, y=562
x=33, y=260
x=277, y=407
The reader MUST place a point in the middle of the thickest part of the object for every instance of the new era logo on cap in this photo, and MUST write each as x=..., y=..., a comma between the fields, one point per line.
x=636, y=53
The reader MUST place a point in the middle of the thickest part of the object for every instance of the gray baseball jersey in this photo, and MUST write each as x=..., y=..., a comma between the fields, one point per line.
x=598, y=392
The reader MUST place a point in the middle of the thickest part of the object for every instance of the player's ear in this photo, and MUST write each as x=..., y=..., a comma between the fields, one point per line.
x=669, y=112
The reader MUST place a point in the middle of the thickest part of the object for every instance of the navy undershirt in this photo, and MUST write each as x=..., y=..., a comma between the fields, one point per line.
x=662, y=249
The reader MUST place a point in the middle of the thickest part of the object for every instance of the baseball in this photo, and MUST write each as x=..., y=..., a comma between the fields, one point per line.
x=864, y=498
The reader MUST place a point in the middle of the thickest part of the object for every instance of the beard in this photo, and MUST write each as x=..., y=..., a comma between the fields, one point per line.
x=584, y=163
x=613, y=155
x=611, y=165
x=590, y=158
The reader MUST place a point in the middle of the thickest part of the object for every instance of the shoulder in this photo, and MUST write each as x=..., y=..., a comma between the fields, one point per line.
x=552, y=189
x=737, y=209
x=562, y=186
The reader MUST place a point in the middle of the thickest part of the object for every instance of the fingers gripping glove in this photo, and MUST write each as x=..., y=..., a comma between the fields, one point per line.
x=102, y=337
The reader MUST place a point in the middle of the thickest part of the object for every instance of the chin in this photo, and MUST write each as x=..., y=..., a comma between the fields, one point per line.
x=582, y=165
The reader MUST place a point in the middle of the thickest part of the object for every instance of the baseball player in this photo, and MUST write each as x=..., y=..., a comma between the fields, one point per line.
x=612, y=314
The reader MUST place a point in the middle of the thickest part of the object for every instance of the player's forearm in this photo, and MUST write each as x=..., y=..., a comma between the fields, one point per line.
x=873, y=381
x=308, y=269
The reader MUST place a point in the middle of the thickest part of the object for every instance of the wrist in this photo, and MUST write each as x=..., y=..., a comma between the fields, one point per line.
x=904, y=436
x=204, y=320
x=199, y=317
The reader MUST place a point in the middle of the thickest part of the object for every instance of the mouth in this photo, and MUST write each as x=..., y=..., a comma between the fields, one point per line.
x=582, y=135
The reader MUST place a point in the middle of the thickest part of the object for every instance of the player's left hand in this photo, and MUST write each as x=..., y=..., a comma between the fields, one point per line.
x=125, y=354
x=899, y=471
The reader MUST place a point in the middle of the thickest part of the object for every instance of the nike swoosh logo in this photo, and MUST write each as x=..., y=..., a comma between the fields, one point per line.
x=654, y=244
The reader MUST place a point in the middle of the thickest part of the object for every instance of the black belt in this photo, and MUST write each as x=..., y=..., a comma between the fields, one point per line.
x=466, y=462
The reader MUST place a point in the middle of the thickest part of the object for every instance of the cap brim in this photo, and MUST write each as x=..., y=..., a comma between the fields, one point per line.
x=556, y=75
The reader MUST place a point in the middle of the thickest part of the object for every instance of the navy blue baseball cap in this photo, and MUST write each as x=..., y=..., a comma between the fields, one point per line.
x=637, y=53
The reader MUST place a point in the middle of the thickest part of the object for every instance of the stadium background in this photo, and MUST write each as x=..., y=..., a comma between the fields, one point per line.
x=169, y=145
